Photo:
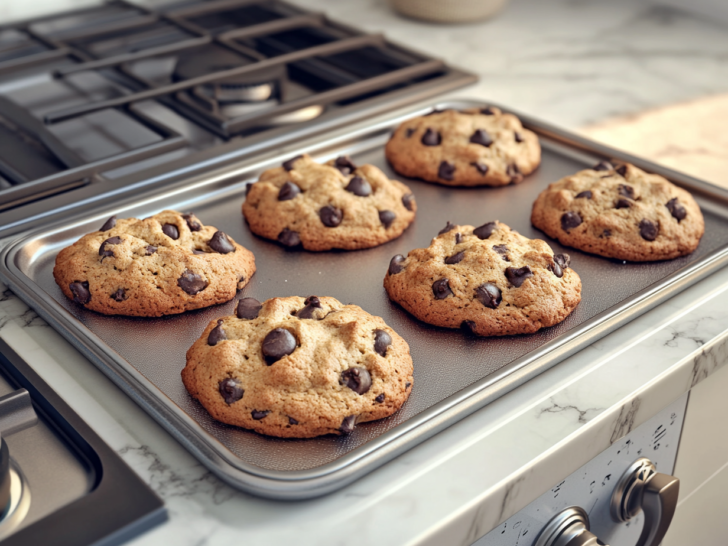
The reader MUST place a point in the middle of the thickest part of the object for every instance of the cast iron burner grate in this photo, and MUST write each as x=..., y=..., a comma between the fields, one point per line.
x=109, y=93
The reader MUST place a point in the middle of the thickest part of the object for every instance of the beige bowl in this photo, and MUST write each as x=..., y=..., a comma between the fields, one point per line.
x=449, y=11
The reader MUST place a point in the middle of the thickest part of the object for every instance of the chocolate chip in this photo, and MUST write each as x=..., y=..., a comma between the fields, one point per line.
x=230, y=390
x=312, y=303
x=248, y=308
x=258, y=415
x=288, y=165
x=455, y=258
x=288, y=191
x=626, y=191
x=516, y=276
x=515, y=173
x=676, y=209
x=489, y=295
x=648, y=230
x=191, y=282
x=448, y=227
x=407, y=385
x=622, y=170
x=502, y=250
x=379, y=399
x=197, y=251
x=488, y=111
x=357, y=379
x=606, y=233
x=409, y=132
x=482, y=167
x=446, y=170
x=485, y=231
x=217, y=334
x=556, y=269
x=348, y=424
x=518, y=136
x=292, y=421
x=587, y=194
x=564, y=260
x=603, y=166
x=80, y=292
x=408, y=200
x=289, y=238
x=110, y=223
x=431, y=138
x=192, y=222
x=119, y=295
x=151, y=249
x=441, y=289
x=481, y=136
x=344, y=164
x=382, y=341
x=221, y=243
x=395, y=264
x=570, y=220
x=386, y=217
x=171, y=231
x=359, y=186
x=107, y=252
x=622, y=203
x=277, y=344
x=331, y=216
x=469, y=327
x=458, y=238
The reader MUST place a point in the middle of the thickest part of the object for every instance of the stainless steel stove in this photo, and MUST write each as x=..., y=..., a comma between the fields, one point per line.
x=114, y=99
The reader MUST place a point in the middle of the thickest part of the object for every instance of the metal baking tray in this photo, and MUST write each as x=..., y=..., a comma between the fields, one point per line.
x=455, y=374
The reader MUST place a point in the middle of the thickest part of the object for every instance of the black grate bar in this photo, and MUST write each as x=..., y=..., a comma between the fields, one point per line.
x=335, y=95
x=104, y=29
x=213, y=6
x=32, y=60
x=278, y=25
x=129, y=57
x=331, y=48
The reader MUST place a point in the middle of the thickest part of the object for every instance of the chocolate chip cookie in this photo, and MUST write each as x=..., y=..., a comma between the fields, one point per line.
x=474, y=147
x=322, y=207
x=620, y=211
x=298, y=368
x=166, y=264
x=488, y=280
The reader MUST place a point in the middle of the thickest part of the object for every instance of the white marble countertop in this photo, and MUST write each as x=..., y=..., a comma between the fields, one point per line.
x=571, y=63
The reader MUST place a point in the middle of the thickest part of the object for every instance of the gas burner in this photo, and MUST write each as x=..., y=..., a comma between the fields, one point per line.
x=258, y=86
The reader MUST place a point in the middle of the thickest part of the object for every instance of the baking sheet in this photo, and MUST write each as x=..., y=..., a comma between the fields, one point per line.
x=453, y=371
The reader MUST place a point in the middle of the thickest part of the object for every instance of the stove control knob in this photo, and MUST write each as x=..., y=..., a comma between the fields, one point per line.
x=570, y=527
x=16, y=412
x=642, y=488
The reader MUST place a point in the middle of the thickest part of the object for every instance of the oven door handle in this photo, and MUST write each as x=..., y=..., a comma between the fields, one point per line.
x=643, y=489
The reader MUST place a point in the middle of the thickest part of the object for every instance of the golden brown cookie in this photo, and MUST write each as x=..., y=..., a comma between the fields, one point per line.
x=298, y=368
x=474, y=147
x=489, y=280
x=166, y=264
x=620, y=212
x=336, y=205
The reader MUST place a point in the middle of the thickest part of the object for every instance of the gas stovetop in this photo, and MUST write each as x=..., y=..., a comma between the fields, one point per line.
x=60, y=484
x=112, y=99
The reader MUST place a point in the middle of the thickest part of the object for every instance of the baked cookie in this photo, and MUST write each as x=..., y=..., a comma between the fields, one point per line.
x=298, y=368
x=166, y=264
x=336, y=205
x=474, y=147
x=620, y=212
x=489, y=280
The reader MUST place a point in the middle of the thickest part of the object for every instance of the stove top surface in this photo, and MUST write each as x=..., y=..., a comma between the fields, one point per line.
x=94, y=100
x=66, y=485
